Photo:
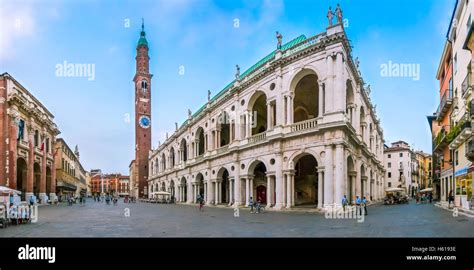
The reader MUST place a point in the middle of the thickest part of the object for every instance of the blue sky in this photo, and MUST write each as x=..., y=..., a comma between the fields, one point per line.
x=200, y=36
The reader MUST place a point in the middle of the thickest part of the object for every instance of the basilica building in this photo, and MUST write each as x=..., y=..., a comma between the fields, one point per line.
x=296, y=129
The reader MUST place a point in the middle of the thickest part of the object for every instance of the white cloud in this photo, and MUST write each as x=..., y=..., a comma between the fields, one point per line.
x=18, y=24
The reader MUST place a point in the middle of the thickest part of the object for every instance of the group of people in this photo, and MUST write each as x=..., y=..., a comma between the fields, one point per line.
x=71, y=199
x=128, y=199
x=423, y=198
x=360, y=203
x=108, y=198
x=16, y=213
x=255, y=205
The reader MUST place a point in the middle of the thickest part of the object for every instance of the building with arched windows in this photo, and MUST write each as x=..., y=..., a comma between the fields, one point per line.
x=27, y=137
x=296, y=129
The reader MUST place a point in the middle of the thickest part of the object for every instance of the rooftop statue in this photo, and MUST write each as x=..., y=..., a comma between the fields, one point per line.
x=330, y=15
x=237, y=72
x=339, y=14
x=279, y=38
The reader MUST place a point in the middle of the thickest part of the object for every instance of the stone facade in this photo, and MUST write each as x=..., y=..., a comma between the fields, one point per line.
x=70, y=175
x=298, y=128
x=401, y=167
x=27, y=136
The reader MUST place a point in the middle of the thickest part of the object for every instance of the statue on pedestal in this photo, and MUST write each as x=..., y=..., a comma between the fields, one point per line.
x=279, y=38
x=189, y=113
x=330, y=15
x=339, y=14
x=237, y=72
x=208, y=95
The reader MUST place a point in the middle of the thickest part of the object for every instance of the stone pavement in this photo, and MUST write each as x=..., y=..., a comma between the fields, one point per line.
x=157, y=220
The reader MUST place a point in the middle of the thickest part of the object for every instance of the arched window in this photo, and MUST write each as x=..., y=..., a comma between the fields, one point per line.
x=144, y=86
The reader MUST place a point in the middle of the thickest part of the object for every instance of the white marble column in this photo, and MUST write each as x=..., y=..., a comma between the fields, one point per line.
x=251, y=189
x=292, y=186
x=247, y=191
x=231, y=190
x=210, y=192
x=320, y=98
x=339, y=175
x=279, y=182
x=288, y=190
x=269, y=116
x=194, y=193
x=358, y=179
x=329, y=102
x=289, y=110
x=219, y=187
x=237, y=185
x=320, y=187
x=216, y=193
x=268, y=178
x=328, y=178
x=339, y=87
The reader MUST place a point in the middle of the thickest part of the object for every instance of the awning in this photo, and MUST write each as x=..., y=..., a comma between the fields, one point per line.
x=9, y=191
x=394, y=189
x=66, y=186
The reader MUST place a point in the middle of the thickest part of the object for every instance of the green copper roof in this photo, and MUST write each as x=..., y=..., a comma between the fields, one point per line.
x=142, y=40
x=250, y=70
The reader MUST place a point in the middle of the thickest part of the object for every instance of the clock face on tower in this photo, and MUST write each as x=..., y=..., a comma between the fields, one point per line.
x=144, y=121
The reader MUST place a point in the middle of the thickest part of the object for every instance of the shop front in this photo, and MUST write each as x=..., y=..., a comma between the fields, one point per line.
x=65, y=190
x=463, y=187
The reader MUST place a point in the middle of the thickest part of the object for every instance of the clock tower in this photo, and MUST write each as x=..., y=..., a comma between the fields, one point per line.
x=142, y=82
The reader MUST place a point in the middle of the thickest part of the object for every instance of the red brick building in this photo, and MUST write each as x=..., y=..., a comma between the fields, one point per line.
x=27, y=136
x=115, y=183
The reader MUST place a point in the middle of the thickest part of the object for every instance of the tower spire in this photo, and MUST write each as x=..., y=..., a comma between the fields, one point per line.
x=142, y=40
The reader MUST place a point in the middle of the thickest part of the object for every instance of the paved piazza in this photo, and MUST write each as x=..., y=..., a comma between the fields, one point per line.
x=155, y=220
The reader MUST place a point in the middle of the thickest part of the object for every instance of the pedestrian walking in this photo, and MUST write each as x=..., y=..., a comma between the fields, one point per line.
x=251, y=204
x=450, y=199
x=344, y=203
x=201, y=202
x=358, y=208
x=364, y=202
x=32, y=200
x=259, y=204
